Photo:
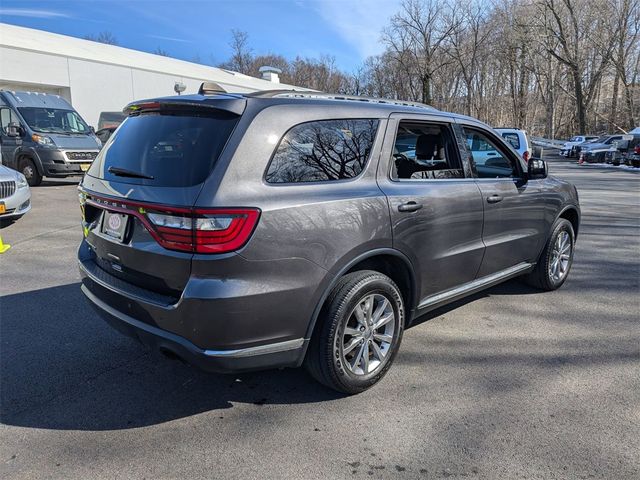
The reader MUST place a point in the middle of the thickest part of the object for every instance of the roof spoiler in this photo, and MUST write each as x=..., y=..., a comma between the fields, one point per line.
x=210, y=88
x=231, y=104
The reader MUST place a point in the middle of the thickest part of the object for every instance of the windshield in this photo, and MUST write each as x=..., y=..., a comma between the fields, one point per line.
x=53, y=120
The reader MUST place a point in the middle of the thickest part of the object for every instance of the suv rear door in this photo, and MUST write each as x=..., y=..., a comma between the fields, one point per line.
x=435, y=204
x=144, y=182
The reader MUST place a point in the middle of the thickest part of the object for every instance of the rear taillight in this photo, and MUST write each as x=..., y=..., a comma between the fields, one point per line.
x=637, y=149
x=525, y=155
x=196, y=230
x=204, y=230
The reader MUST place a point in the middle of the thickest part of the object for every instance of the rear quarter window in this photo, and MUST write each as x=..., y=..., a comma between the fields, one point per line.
x=322, y=151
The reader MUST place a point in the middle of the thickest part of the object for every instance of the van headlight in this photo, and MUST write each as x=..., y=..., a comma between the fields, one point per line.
x=42, y=140
x=21, y=182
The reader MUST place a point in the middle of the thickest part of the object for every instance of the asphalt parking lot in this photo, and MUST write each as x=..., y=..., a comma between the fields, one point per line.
x=510, y=383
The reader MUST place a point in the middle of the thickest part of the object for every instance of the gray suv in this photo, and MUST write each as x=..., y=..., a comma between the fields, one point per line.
x=277, y=229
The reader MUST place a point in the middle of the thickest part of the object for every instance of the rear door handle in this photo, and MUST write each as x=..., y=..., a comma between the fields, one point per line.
x=409, y=207
x=494, y=198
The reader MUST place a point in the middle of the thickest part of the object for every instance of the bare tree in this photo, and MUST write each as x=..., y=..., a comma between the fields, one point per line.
x=241, y=54
x=585, y=40
x=418, y=37
x=626, y=56
x=102, y=37
x=161, y=52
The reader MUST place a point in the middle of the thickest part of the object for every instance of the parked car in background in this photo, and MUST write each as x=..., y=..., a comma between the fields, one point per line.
x=15, y=196
x=110, y=119
x=622, y=155
x=42, y=135
x=276, y=229
x=518, y=140
x=633, y=158
x=568, y=149
x=105, y=133
x=596, y=151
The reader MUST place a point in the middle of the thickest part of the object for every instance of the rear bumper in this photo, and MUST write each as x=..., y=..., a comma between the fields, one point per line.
x=242, y=323
x=281, y=354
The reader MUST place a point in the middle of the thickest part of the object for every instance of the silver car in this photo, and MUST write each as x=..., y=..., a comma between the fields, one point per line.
x=15, y=196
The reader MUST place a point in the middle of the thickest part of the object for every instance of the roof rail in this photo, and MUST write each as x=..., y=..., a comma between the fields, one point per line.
x=334, y=96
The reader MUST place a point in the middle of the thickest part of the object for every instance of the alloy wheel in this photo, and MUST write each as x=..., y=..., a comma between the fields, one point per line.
x=560, y=257
x=368, y=335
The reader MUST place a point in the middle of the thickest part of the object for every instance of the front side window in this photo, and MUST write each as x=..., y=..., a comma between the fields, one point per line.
x=425, y=151
x=53, y=120
x=491, y=161
x=6, y=117
x=324, y=150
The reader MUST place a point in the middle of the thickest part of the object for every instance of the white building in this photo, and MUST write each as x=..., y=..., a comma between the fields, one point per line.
x=97, y=78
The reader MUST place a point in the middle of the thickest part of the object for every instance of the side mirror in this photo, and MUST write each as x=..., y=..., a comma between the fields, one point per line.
x=14, y=129
x=92, y=130
x=536, y=168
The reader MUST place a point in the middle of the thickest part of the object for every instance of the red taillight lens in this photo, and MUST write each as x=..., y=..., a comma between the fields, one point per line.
x=637, y=149
x=525, y=155
x=197, y=230
x=204, y=230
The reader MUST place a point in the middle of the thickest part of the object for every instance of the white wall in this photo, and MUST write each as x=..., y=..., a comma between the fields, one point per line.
x=97, y=87
x=93, y=87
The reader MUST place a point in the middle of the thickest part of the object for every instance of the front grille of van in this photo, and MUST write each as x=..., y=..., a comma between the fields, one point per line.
x=81, y=156
x=7, y=189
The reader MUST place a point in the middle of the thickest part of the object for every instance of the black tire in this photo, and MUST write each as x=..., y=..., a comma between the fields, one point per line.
x=29, y=170
x=324, y=360
x=541, y=276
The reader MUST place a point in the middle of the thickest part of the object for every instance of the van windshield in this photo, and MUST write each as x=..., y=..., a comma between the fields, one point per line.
x=165, y=149
x=53, y=120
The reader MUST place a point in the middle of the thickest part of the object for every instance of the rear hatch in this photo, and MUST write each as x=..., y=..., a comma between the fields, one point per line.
x=138, y=196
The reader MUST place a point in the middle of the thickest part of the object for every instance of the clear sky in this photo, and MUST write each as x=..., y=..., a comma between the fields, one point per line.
x=187, y=29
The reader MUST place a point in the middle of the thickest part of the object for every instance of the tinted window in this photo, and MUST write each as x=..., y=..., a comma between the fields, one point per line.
x=53, y=120
x=6, y=117
x=110, y=119
x=176, y=150
x=491, y=161
x=323, y=151
x=513, y=139
x=425, y=151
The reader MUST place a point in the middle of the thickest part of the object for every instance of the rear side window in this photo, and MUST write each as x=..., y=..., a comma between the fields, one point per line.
x=512, y=138
x=322, y=151
x=176, y=150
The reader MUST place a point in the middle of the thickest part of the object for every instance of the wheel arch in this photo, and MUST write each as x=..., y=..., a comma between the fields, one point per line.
x=31, y=155
x=384, y=260
x=571, y=214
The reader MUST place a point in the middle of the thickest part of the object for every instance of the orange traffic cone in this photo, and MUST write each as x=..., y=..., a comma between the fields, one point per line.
x=4, y=246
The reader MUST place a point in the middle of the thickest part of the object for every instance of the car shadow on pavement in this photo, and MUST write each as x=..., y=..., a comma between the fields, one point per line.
x=511, y=287
x=62, y=367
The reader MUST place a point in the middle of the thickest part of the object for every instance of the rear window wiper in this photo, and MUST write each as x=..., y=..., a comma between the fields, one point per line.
x=123, y=172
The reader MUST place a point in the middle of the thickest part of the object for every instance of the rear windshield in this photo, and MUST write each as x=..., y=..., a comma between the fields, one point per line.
x=175, y=149
x=110, y=119
x=512, y=138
